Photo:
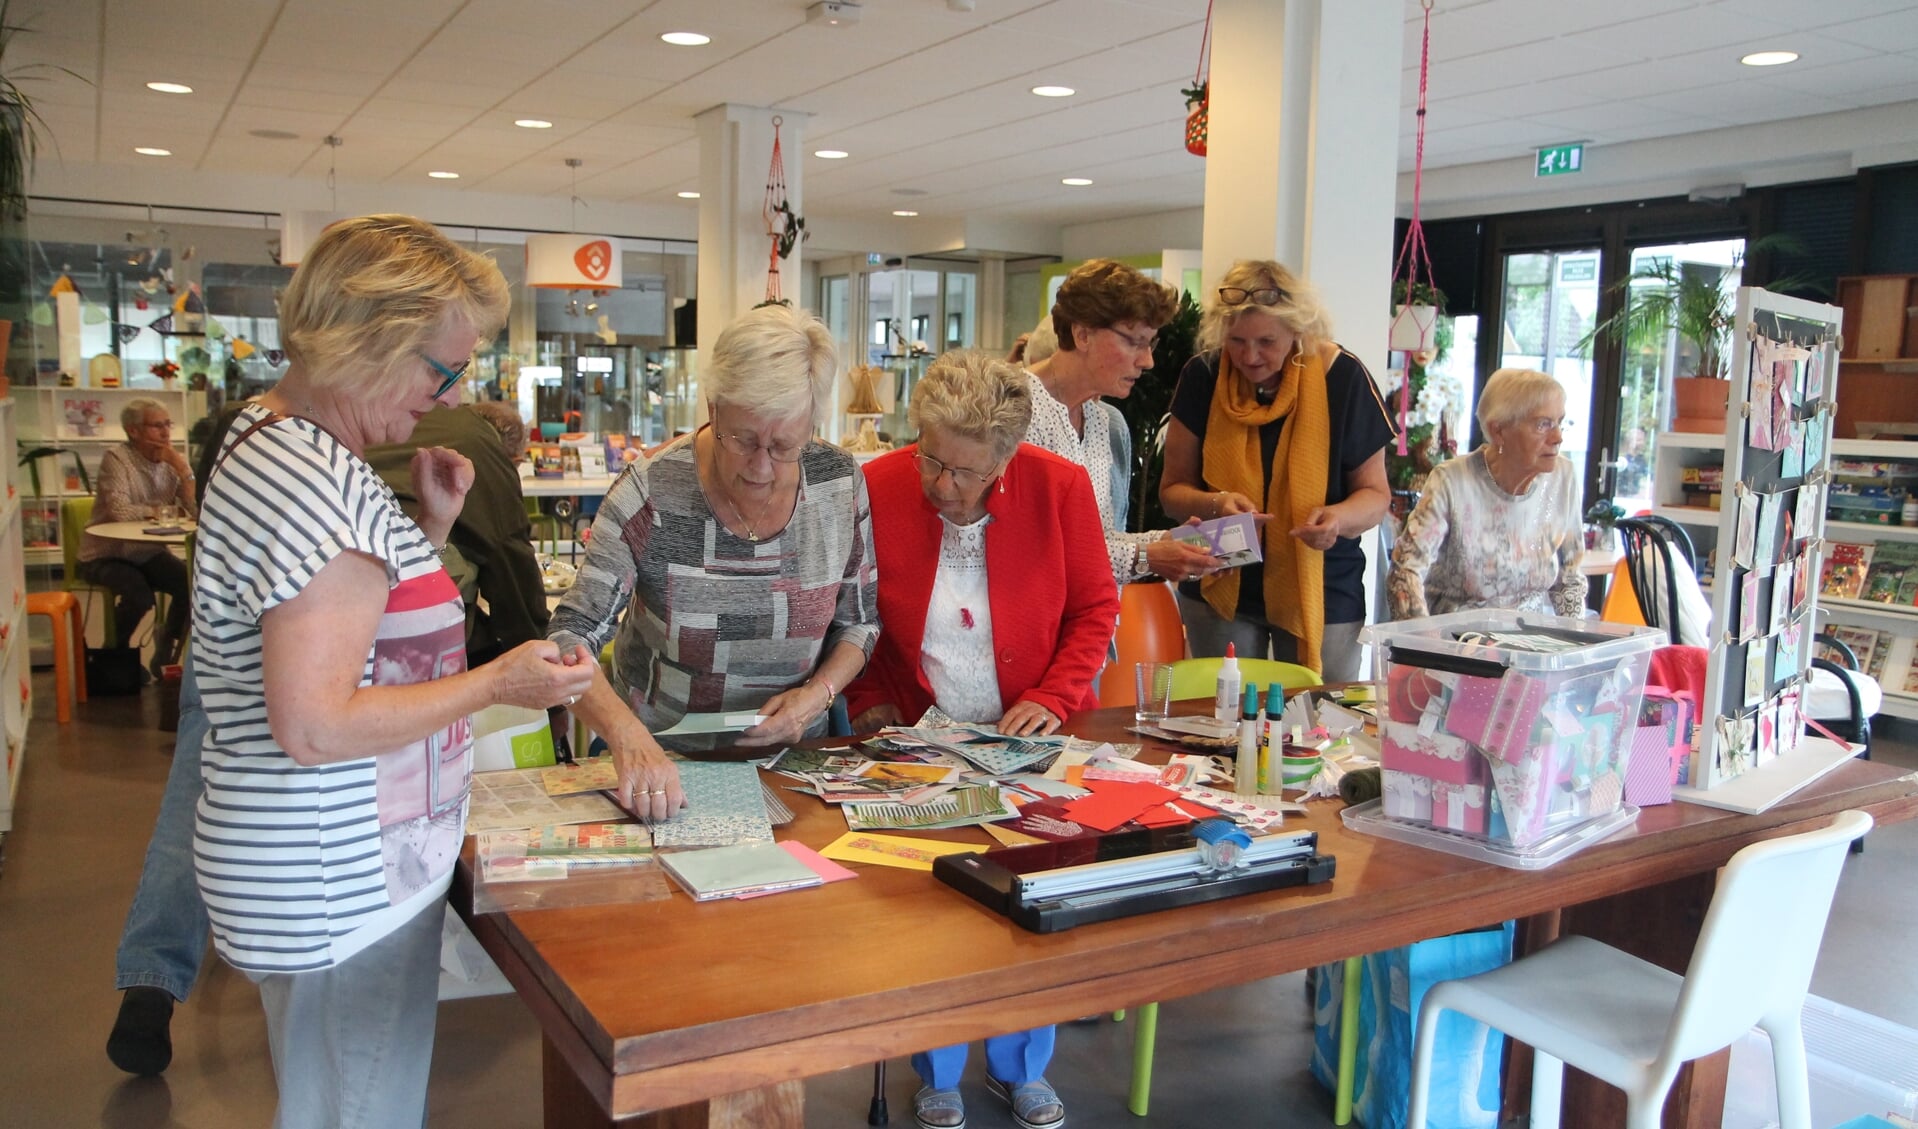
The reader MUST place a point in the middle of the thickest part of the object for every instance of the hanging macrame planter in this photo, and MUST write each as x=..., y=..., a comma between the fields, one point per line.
x=1415, y=323
x=784, y=227
x=1198, y=96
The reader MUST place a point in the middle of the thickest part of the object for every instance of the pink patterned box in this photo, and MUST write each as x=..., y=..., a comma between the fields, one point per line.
x=1439, y=756
x=1407, y=797
x=1459, y=807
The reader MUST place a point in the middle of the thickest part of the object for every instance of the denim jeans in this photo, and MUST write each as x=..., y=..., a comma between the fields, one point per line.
x=166, y=931
x=1014, y=1059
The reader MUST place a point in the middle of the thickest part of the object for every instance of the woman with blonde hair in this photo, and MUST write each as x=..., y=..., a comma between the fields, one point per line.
x=1498, y=528
x=998, y=607
x=329, y=647
x=742, y=558
x=1274, y=418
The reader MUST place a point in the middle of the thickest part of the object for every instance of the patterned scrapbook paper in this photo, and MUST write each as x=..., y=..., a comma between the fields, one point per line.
x=724, y=805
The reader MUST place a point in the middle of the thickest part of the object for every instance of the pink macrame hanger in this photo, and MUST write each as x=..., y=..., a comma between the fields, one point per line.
x=1412, y=254
x=775, y=203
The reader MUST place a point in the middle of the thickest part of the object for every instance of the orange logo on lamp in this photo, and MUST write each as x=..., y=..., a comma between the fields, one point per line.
x=594, y=259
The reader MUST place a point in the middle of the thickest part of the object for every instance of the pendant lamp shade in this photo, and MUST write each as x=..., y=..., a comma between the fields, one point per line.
x=299, y=231
x=573, y=262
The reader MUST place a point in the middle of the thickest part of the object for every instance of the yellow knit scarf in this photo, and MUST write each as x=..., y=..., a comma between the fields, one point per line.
x=1301, y=466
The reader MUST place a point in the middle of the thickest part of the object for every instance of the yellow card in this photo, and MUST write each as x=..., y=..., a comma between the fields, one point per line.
x=1008, y=837
x=587, y=776
x=892, y=850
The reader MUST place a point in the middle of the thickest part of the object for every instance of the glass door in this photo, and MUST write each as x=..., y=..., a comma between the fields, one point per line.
x=1683, y=278
x=1551, y=304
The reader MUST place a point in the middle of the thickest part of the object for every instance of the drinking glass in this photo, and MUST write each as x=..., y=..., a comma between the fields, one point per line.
x=1153, y=684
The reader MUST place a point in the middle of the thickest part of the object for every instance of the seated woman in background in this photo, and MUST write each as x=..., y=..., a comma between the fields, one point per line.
x=998, y=606
x=1275, y=418
x=1498, y=528
x=144, y=472
x=742, y=557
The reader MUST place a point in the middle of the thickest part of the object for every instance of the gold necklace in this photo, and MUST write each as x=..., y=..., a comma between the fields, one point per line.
x=739, y=515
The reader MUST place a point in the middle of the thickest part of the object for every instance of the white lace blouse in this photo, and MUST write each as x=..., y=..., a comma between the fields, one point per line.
x=956, y=651
x=1052, y=429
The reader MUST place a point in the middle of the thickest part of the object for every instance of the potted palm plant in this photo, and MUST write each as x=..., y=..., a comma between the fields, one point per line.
x=1664, y=297
x=21, y=129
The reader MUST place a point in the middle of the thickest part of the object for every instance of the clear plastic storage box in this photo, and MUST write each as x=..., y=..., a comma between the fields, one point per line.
x=1505, y=726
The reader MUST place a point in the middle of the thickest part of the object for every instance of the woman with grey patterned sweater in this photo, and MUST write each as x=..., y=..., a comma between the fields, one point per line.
x=742, y=557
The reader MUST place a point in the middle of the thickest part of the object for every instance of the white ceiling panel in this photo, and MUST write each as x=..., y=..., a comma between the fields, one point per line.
x=1891, y=31
x=923, y=96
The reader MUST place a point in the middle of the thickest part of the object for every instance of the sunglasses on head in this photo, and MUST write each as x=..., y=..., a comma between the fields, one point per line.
x=1262, y=295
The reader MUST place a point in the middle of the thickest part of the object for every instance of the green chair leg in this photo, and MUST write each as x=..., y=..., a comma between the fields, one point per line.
x=1118, y=1016
x=1348, y=1041
x=1139, y=1097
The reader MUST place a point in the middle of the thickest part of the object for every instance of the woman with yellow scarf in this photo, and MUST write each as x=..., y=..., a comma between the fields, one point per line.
x=1274, y=418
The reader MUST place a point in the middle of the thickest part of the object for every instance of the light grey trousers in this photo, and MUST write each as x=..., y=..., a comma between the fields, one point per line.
x=353, y=1044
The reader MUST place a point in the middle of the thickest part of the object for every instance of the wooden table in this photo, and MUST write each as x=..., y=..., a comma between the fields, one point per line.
x=713, y=1014
x=137, y=531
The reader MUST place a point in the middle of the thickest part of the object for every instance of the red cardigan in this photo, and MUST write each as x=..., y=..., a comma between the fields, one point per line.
x=1047, y=577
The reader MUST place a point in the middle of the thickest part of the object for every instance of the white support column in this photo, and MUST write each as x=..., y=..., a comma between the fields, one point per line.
x=735, y=150
x=1303, y=156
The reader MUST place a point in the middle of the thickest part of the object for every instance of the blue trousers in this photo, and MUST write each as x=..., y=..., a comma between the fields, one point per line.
x=1014, y=1059
x=166, y=931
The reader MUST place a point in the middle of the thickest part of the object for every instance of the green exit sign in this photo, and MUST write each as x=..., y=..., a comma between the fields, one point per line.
x=1557, y=160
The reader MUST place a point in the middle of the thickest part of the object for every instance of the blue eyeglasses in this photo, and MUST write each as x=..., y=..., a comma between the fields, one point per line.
x=450, y=376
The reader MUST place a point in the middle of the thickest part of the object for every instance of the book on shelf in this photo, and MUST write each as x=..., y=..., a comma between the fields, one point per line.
x=1863, y=641
x=1845, y=567
x=1893, y=570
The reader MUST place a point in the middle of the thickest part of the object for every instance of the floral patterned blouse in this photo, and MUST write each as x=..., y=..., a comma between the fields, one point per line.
x=1469, y=544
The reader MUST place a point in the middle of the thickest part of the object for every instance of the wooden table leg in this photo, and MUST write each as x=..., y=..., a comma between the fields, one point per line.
x=568, y=1105
x=1659, y=924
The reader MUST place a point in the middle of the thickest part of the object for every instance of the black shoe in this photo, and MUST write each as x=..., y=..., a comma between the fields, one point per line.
x=140, y=1043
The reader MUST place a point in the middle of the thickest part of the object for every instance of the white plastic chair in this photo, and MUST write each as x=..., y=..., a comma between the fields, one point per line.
x=1633, y=1024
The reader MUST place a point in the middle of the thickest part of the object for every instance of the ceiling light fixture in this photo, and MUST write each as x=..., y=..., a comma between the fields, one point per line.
x=170, y=87
x=1769, y=58
x=1075, y=181
x=831, y=154
x=1054, y=91
x=689, y=195
x=686, y=39
x=906, y=215
x=533, y=123
x=149, y=151
x=833, y=13
x=442, y=174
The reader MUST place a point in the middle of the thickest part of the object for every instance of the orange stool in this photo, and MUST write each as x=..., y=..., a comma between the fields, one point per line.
x=69, y=646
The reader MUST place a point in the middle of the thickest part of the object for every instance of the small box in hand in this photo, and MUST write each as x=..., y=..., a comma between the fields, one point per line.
x=1234, y=538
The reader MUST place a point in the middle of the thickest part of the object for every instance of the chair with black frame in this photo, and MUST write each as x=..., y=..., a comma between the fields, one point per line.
x=1649, y=548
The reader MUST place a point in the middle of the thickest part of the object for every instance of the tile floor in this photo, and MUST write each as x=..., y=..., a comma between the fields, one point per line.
x=1229, y=1058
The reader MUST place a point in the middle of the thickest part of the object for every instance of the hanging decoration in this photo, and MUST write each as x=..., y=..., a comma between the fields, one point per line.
x=1198, y=96
x=1415, y=323
x=785, y=228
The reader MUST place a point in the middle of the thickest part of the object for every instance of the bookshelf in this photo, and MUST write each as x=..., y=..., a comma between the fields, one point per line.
x=84, y=422
x=1898, y=625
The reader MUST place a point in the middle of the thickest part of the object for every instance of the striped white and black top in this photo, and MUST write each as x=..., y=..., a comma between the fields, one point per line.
x=303, y=867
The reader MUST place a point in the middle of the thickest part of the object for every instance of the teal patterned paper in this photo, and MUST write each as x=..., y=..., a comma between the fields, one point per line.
x=724, y=805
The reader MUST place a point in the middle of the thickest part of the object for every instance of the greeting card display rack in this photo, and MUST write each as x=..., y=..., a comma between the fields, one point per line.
x=1751, y=751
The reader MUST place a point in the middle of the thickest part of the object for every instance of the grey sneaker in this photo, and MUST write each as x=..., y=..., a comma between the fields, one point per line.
x=939, y=1109
x=1035, y=1104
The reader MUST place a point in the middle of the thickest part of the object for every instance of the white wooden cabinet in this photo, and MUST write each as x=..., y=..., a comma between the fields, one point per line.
x=16, y=682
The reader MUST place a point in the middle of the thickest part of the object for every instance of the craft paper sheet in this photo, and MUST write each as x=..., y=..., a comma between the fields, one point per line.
x=1747, y=541
x=724, y=805
x=1752, y=618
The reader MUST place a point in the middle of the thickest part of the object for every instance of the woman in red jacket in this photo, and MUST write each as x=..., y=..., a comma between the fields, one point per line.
x=996, y=603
